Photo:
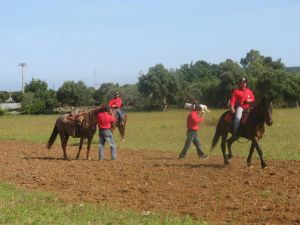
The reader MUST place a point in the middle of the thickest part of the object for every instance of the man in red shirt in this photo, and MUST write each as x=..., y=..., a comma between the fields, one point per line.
x=104, y=120
x=241, y=100
x=193, y=120
x=116, y=103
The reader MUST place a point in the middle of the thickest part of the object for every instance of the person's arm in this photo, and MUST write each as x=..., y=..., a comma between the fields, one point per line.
x=112, y=103
x=112, y=118
x=196, y=118
x=251, y=99
x=232, y=102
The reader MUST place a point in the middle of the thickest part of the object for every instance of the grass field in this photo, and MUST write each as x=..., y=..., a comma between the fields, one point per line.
x=159, y=131
x=21, y=207
x=154, y=131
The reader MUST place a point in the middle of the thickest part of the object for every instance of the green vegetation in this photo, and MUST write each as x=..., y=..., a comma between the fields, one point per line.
x=159, y=131
x=18, y=206
x=160, y=87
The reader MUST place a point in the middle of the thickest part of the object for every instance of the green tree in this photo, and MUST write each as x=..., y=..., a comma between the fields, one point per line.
x=4, y=95
x=291, y=90
x=75, y=94
x=132, y=97
x=196, y=71
x=229, y=73
x=37, y=98
x=160, y=85
x=17, y=96
x=105, y=92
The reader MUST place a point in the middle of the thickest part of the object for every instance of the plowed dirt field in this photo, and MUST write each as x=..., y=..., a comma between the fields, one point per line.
x=158, y=182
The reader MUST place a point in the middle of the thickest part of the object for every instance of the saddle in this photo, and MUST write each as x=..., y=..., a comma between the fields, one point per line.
x=229, y=117
x=75, y=119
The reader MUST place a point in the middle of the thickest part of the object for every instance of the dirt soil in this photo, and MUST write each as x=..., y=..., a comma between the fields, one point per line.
x=158, y=182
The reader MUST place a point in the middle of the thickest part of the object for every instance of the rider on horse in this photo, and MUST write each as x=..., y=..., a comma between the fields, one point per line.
x=116, y=103
x=241, y=100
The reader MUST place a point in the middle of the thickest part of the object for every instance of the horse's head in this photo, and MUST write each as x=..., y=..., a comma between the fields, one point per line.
x=120, y=125
x=265, y=106
x=90, y=117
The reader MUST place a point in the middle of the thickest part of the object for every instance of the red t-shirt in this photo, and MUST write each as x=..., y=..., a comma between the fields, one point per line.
x=239, y=98
x=193, y=120
x=115, y=102
x=104, y=120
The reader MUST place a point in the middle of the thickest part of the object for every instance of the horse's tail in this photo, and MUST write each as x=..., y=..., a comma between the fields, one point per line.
x=218, y=133
x=52, y=137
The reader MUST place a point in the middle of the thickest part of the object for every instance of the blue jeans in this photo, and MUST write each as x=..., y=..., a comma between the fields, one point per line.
x=119, y=113
x=191, y=137
x=106, y=135
x=237, y=119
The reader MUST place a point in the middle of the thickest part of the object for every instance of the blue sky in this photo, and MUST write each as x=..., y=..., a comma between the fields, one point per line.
x=112, y=41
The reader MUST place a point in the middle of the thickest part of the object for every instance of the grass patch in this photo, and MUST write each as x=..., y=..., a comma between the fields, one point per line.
x=166, y=132
x=18, y=206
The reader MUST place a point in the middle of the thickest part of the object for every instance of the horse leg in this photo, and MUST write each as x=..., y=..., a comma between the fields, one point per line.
x=121, y=129
x=80, y=147
x=64, y=140
x=223, y=147
x=88, y=148
x=229, y=144
x=260, y=153
x=250, y=155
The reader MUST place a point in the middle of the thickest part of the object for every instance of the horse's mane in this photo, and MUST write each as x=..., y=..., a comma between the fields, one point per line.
x=90, y=117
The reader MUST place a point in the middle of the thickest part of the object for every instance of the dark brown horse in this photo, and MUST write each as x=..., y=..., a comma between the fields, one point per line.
x=121, y=126
x=253, y=130
x=82, y=126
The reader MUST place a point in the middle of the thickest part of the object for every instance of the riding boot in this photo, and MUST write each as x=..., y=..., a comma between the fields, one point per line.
x=234, y=134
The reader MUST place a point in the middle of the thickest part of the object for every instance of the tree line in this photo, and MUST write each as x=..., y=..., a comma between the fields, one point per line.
x=208, y=83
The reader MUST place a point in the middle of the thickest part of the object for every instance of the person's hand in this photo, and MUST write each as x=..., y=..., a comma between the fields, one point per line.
x=232, y=110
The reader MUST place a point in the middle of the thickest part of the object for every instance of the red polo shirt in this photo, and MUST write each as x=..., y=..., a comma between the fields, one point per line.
x=115, y=102
x=240, y=97
x=104, y=120
x=193, y=120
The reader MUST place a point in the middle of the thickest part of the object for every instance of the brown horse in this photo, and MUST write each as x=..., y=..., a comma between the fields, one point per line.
x=121, y=126
x=84, y=126
x=253, y=130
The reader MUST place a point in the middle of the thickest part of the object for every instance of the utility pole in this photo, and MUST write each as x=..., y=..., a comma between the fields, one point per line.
x=22, y=66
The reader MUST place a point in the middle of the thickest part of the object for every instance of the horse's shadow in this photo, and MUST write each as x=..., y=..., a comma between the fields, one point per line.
x=42, y=158
x=54, y=159
x=209, y=165
x=160, y=158
x=191, y=166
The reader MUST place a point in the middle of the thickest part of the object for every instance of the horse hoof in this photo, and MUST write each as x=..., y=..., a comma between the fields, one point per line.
x=264, y=167
x=229, y=156
x=123, y=140
x=89, y=158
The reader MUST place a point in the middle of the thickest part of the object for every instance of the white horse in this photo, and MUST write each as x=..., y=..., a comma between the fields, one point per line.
x=204, y=108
